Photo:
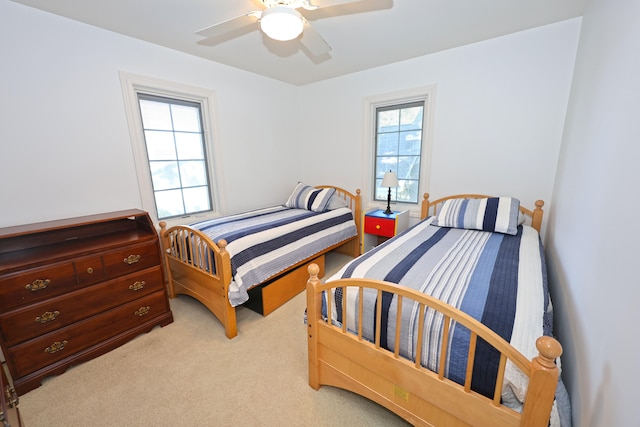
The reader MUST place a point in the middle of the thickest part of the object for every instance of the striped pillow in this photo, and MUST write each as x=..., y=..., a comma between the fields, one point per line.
x=499, y=214
x=310, y=198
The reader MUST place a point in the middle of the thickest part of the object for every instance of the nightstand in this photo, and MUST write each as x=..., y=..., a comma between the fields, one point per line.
x=385, y=226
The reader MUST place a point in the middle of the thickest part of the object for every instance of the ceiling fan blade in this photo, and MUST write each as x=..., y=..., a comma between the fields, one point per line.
x=330, y=3
x=230, y=25
x=313, y=41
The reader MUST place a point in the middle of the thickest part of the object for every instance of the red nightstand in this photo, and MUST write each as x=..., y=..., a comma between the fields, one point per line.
x=385, y=226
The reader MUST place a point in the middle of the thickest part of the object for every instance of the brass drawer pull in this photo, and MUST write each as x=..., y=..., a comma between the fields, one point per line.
x=137, y=286
x=47, y=316
x=90, y=270
x=142, y=311
x=132, y=259
x=38, y=284
x=56, y=347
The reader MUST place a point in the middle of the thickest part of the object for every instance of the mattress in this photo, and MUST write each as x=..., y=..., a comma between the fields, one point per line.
x=264, y=242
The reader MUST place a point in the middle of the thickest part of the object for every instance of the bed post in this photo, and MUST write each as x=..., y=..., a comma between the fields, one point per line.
x=536, y=217
x=359, y=245
x=542, y=383
x=425, y=206
x=314, y=307
x=227, y=311
x=164, y=245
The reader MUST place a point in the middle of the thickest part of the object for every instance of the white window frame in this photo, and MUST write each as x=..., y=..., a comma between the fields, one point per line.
x=132, y=84
x=426, y=94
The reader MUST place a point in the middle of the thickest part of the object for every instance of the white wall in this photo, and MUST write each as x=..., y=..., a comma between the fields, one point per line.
x=500, y=109
x=592, y=244
x=65, y=146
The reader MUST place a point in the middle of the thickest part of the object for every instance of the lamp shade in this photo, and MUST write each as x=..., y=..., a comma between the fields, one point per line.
x=390, y=180
x=281, y=23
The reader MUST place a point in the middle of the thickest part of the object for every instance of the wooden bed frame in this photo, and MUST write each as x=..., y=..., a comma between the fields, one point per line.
x=344, y=359
x=188, y=253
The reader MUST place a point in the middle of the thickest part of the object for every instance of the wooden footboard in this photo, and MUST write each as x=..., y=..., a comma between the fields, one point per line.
x=344, y=359
x=198, y=267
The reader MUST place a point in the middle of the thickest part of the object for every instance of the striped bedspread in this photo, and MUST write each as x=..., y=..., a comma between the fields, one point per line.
x=496, y=278
x=264, y=242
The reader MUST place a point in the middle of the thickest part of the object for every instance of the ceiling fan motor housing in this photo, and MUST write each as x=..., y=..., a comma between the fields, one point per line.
x=293, y=4
x=281, y=23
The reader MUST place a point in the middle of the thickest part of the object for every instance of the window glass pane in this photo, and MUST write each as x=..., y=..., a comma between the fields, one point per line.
x=189, y=146
x=407, y=191
x=155, y=115
x=185, y=119
x=164, y=175
x=169, y=203
x=193, y=173
x=388, y=121
x=411, y=118
x=160, y=145
x=409, y=167
x=196, y=199
x=387, y=144
x=410, y=143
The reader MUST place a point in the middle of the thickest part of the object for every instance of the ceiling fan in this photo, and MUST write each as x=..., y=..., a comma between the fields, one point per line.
x=280, y=21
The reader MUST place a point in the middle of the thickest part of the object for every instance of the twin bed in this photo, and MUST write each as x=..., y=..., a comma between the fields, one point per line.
x=449, y=323
x=260, y=258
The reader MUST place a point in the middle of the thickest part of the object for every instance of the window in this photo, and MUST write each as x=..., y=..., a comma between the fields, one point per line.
x=176, y=153
x=174, y=145
x=399, y=129
x=399, y=149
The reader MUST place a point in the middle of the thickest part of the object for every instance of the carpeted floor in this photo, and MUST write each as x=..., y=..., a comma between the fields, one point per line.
x=189, y=374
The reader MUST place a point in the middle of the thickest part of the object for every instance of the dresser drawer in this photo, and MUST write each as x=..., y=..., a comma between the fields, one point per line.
x=37, y=319
x=379, y=226
x=130, y=258
x=36, y=284
x=57, y=345
x=89, y=270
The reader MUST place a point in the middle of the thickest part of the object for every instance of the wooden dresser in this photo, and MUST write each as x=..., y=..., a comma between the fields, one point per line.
x=73, y=289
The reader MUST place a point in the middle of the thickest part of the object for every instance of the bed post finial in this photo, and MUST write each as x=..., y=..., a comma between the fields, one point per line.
x=313, y=270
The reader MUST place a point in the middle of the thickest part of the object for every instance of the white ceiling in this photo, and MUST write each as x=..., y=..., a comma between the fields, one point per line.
x=363, y=34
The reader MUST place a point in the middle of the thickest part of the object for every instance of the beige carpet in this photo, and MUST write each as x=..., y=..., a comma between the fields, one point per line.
x=189, y=374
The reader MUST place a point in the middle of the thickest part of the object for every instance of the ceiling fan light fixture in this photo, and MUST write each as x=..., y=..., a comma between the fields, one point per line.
x=281, y=23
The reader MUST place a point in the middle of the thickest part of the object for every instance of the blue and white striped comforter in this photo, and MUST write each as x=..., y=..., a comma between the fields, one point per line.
x=264, y=242
x=496, y=278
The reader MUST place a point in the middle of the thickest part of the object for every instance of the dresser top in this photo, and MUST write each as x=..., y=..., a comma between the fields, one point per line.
x=18, y=230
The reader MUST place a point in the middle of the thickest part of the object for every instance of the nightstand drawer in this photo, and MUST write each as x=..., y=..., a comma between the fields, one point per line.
x=379, y=226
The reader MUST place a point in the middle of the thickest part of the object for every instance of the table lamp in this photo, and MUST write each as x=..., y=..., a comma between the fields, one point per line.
x=390, y=180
